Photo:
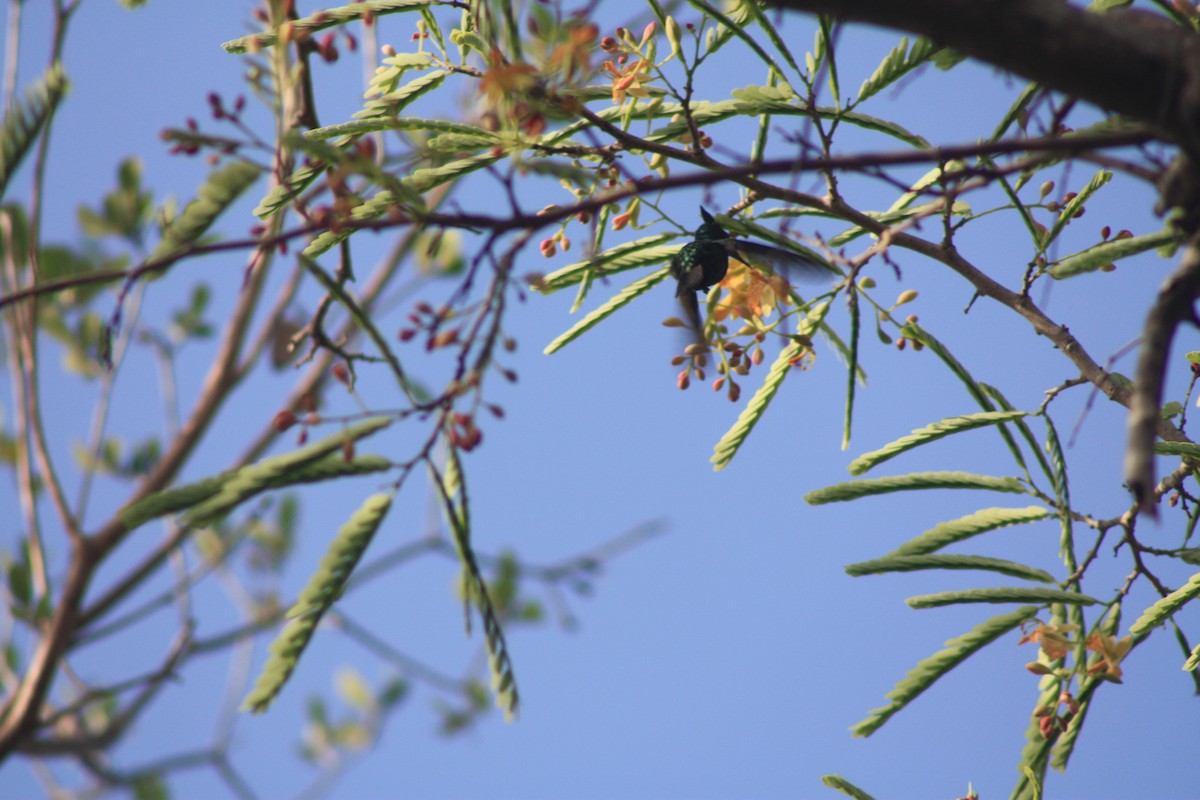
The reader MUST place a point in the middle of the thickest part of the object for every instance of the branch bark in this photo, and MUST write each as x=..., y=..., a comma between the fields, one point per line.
x=1135, y=63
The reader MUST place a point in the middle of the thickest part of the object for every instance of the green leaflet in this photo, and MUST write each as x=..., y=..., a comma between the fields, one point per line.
x=386, y=80
x=902, y=214
x=344, y=552
x=736, y=27
x=345, y=133
x=24, y=119
x=1022, y=426
x=754, y=100
x=776, y=39
x=324, y=587
x=1109, y=252
x=845, y=787
x=852, y=490
x=452, y=491
x=945, y=534
x=419, y=182
x=727, y=447
x=170, y=501
x=924, y=674
x=393, y=102
x=825, y=24
x=900, y=61
x=358, y=127
x=918, y=562
x=1185, y=449
x=731, y=25
x=1193, y=660
x=852, y=372
x=931, y=433
x=328, y=18
x=284, y=191
x=1062, y=501
x=270, y=473
x=618, y=301
x=462, y=142
x=630, y=255
x=1004, y=594
x=1019, y=105
x=218, y=191
x=383, y=101
x=1161, y=611
x=976, y=389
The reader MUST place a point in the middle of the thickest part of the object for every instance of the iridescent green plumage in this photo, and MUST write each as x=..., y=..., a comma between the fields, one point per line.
x=704, y=262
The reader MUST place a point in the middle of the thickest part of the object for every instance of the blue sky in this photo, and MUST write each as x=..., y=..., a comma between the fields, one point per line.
x=728, y=656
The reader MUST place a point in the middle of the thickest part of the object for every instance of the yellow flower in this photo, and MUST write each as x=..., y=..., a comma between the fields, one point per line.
x=749, y=293
x=574, y=56
x=504, y=80
x=1111, y=650
x=629, y=80
x=1052, y=638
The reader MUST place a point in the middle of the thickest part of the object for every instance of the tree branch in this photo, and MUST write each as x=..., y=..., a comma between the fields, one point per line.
x=1135, y=63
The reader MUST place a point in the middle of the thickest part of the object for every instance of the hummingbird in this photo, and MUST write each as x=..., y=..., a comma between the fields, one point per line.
x=704, y=261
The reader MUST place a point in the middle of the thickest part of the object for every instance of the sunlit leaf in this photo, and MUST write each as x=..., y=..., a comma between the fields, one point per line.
x=852, y=490
x=1162, y=610
x=945, y=534
x=1005, y=594
x=894, y=563
x=931, y=433
x=922, y=676
x=618, y=301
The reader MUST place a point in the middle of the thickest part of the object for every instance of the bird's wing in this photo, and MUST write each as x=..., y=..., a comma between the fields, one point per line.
x=789, y=263
x=691, y=313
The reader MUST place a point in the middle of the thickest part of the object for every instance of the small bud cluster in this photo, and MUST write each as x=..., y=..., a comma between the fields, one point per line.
x=734, y=360
x=903, y=341
x=288, y=418
x=190, y=140
x=463, y=433
x=1050, y=722
x=425, y=319
x=549, y=247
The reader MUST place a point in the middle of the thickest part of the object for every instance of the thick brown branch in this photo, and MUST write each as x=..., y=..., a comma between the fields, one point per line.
x=1135, y=63
x=1173, y=306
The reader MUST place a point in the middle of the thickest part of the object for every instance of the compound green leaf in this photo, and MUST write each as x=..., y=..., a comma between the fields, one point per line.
x=1110, y=252
x=900, y=61
x=931, y=433
x=642, y=252
x=852, y=490
x=945, y=534
x=25, y=119
x=223, y=186
x=1161, y=611
x=319, y=21
x=727, y=447
x=940, y=561
x=618, y=301
x=319, y=594
x=1004, y=594
x=926, y=673
x=845, y=787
